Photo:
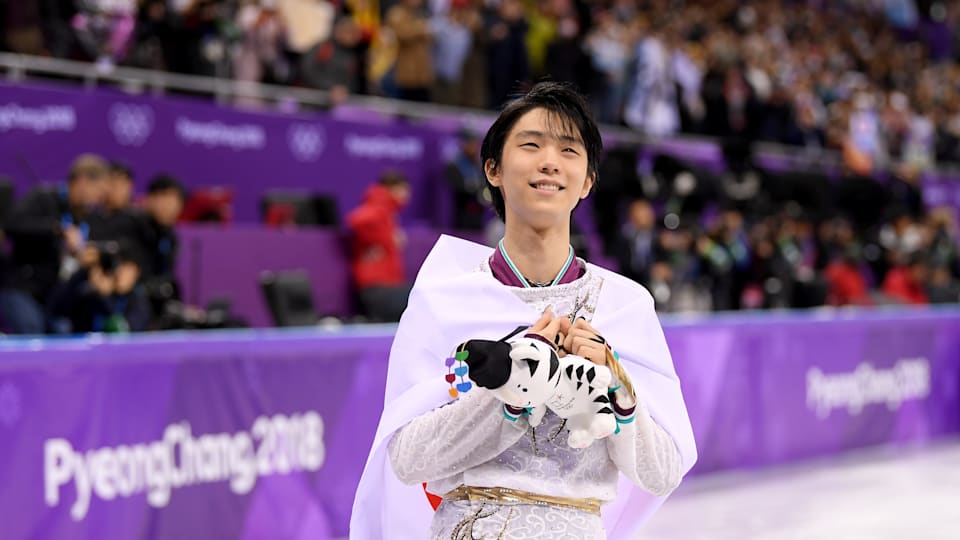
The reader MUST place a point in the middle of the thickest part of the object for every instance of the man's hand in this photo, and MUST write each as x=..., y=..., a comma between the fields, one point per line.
x=583, y=340
x=73, y=239
x=101, y=282
x=547, y=326
x=127, y=274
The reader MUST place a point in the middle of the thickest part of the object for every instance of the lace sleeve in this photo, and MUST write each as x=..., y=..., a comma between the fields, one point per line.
x=453, y=438
x=644, y=451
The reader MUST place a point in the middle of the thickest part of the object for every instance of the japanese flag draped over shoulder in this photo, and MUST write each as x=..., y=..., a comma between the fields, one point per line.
x=452, y=302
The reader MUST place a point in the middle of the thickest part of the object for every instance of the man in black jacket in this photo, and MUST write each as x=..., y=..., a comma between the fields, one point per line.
x=48, y=231
x=157, y=241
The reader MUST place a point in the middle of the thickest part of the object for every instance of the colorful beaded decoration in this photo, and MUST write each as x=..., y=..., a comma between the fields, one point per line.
x=460, y=370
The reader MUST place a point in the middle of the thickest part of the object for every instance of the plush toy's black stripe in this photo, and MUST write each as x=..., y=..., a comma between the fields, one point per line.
x=534, y=364
x=554, y=365
x=602, y=399
x=605, y=410
x=591, y=373
x=569, y=371
x=580, y=372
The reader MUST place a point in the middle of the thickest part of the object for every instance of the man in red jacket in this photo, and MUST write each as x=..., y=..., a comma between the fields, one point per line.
x=375, y=259
x=907, y=283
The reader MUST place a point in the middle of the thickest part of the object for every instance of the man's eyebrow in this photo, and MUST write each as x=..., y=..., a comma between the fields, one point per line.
x=571, y=139
x=531, y=133
x=540, y=135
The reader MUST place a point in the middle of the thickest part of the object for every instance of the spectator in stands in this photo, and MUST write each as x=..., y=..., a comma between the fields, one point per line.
x=904, y=190
x=845, y=281
x=508, y=67
x=608, y=44
x=206, y=27
x=465, y=178
x=376, y=260
x=725, y=252
x=105, y=29
x=942, y=287
x=332, y=64
x=259, y=56
x=943, y=244
x=902, y=238
x=621, y=185
x=156, y=44
x=676, y=277
x=115, y=220
x=566, y=61
x=21, y=27
x=104, y=297
x=638, y=242
x=119, y=187
x=453, y=40
x=156, y=240
x=906, y=283
x=473, y=81
x=414, y=70
x=49, y=231
x=651, y=105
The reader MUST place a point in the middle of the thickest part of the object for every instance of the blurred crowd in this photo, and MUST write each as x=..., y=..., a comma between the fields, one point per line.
x=877, y=79
x=92, y=256
x=757, y=239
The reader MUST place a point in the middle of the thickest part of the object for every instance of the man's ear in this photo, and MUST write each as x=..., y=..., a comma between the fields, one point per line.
x=492, y=171
x=587, y=187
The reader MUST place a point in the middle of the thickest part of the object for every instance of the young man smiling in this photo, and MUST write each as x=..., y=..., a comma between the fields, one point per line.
x=496, y=475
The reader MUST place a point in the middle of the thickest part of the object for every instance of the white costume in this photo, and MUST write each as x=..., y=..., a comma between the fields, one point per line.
x=425, y=437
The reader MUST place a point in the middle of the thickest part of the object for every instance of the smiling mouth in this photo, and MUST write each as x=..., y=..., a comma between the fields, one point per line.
x=546, y=186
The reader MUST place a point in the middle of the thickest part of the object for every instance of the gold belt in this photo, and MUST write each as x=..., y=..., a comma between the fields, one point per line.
x=507, y=495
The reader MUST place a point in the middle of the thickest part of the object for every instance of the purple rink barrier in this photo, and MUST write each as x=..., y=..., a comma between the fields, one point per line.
x=188, y=436
x=44, y=126
x=263, y=434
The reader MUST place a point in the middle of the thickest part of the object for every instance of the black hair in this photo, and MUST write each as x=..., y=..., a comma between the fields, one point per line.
x=121, y=168
x=393, y=178
x=165, y=182
x=90, y=165
x=563, y=104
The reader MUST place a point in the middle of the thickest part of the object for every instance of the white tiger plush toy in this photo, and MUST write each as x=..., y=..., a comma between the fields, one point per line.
x=526, y=373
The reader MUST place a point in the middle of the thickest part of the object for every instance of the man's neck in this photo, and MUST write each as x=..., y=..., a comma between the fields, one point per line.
x=538, y=255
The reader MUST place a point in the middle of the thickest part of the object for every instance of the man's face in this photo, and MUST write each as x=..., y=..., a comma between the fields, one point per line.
x=641, y=215
x=401, y=194
x=119, y=190
x=542, y=172
x=165, y=207
x=87, y=189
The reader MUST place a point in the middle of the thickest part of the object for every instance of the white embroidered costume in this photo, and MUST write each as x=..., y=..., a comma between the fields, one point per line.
x=426, y=437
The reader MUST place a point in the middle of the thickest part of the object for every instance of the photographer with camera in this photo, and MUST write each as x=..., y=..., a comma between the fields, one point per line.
x=48, y=231
x=103, y=295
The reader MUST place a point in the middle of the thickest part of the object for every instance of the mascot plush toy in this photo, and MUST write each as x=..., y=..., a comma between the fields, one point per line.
x=526, y=374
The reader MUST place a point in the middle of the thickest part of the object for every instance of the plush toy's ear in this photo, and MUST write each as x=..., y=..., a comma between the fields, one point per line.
x=489, y=362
